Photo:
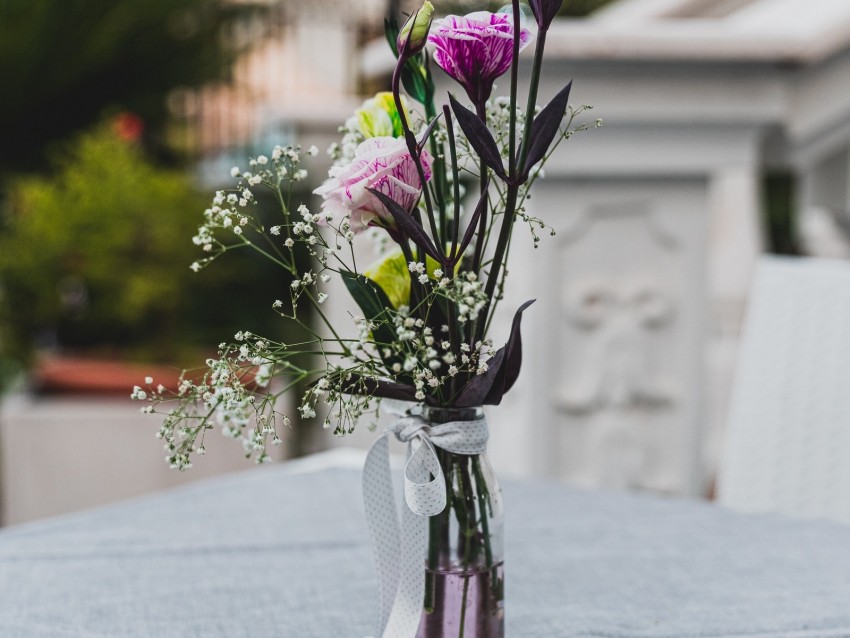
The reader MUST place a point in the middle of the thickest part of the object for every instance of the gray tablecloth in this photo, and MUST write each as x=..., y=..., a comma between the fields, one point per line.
x=269, y=553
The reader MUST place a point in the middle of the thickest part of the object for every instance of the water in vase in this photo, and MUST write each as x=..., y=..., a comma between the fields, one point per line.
x=467, y=604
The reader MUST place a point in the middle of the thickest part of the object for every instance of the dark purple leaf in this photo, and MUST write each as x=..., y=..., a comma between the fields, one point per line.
x=502, y=370
x=545, y=11
x=545, y=127
x=408, y=225
x=476, y=391
x=391, y=30
x=421, y=144
x=479, y=136
x=473, y=224
x=513, y=355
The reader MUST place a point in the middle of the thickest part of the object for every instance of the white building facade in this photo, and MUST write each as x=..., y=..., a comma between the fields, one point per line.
x=630, y=349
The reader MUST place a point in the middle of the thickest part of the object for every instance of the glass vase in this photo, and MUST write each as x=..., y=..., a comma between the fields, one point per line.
x=464, y=570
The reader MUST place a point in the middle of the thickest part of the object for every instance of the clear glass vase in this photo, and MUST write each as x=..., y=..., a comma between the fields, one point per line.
x=464, y=570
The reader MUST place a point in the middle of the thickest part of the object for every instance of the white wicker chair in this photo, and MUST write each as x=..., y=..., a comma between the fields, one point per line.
x=787, y=443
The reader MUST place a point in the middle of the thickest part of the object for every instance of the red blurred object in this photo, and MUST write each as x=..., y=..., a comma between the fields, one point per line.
x=128, y=126
x=111, y=377
x=78, y=375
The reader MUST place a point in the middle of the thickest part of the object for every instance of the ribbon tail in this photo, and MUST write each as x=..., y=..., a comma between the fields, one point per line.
x=382, y=517
x=407, y=611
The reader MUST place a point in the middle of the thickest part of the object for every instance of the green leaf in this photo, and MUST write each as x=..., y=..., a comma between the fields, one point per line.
x=479, y=137
x=371, y=298
x=391, y=30
x=414, y=82
x=375, y=304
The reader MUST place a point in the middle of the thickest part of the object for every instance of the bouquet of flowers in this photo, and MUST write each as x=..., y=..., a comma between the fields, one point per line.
x=401, y=171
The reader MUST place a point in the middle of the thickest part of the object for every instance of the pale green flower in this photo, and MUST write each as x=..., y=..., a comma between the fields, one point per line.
x=379, y=117
x=392, y=274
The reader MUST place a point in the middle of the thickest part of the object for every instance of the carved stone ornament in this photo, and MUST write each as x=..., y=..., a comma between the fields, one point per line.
x=616, y=319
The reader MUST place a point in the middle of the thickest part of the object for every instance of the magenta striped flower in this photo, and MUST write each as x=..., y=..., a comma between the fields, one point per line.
x=475, y=49
x=380, y=163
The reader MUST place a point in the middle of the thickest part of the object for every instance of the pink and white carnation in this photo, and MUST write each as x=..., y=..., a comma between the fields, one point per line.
x=380, y=163
x=476, y=48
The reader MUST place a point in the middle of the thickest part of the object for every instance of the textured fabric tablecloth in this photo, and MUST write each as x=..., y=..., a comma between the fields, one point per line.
x=272, y=553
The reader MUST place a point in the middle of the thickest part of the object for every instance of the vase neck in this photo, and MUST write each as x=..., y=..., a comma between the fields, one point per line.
x=447, y=415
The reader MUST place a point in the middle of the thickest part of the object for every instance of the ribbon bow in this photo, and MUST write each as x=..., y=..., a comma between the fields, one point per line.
x=401, y=556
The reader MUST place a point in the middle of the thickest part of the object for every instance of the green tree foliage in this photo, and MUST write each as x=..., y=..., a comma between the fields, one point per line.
x=64, y=61
x=97, y=258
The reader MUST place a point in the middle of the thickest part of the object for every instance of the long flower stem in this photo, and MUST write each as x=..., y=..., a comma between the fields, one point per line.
x=467, y=529
x=531, y=105
x=513, y=187
x=481, y=110
x=412, y=148
x=440, y=183
x=514, y=76
x=455, y=180
x=483, y=501
x=498, y=257
x=454, y=327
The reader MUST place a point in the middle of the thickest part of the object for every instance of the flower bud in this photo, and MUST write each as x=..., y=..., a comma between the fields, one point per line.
x=415, y=30
x=545, y=11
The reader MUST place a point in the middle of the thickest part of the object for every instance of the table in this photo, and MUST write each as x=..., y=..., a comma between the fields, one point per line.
x=282, y=551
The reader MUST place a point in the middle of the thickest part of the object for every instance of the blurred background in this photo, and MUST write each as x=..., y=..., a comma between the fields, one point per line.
x=726, y=136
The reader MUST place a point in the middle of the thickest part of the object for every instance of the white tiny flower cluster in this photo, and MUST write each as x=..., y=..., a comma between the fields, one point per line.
x=306, y=229
x=231, y=212
x=467, y=292
x=419, y=357
x=308, y=282
x=283, y=165
x=534, y=224
x=226, y=395
x=347, y=396
x=418, y=268
x=499, y=117
x=343, y=152
x=138, y=394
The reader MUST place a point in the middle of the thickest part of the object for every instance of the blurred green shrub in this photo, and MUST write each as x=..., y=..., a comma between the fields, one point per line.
x=96, y=258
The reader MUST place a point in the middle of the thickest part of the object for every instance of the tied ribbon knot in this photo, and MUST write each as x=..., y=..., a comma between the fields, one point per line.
x=400, y=550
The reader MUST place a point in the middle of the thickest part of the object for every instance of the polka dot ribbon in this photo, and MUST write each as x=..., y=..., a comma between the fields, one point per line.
x=400, y=553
